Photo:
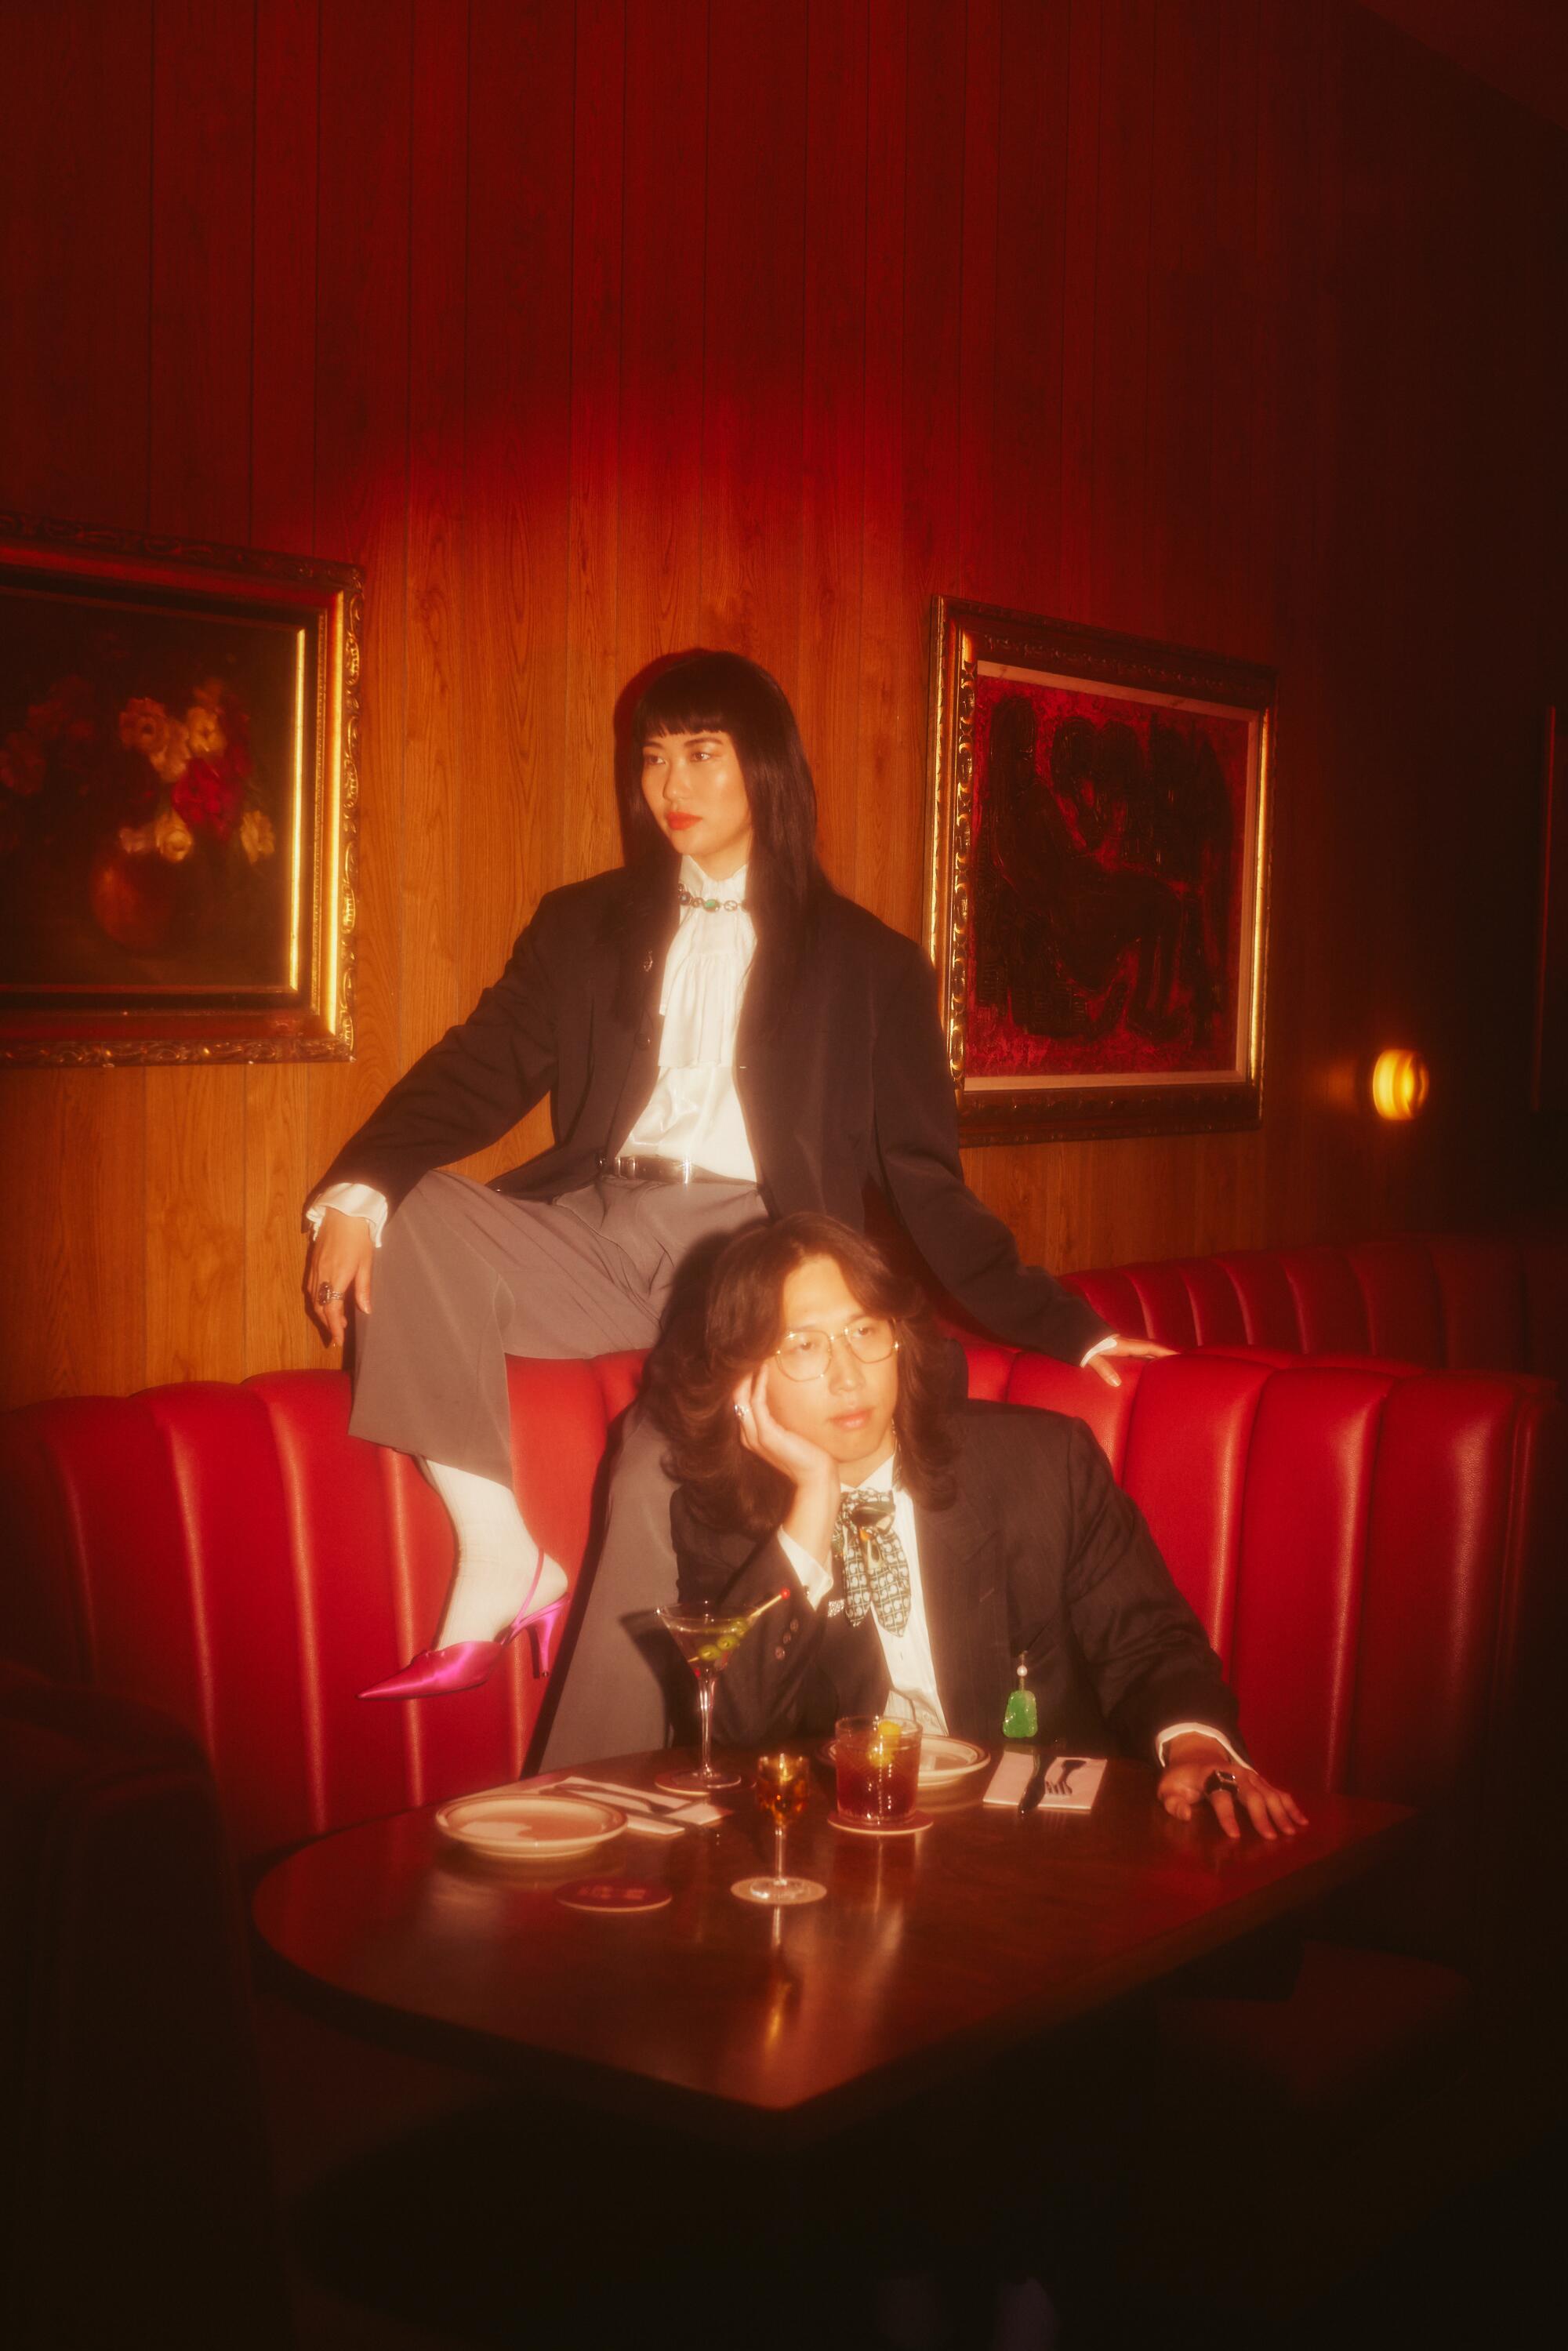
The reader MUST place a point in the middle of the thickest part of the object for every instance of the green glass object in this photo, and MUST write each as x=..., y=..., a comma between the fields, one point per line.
x=1021, y=1719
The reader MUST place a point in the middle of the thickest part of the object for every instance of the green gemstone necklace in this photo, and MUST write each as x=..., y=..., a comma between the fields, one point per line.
x=709, y=906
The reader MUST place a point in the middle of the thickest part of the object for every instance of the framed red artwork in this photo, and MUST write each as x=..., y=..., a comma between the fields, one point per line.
x=178, y=781
x=1097, y=838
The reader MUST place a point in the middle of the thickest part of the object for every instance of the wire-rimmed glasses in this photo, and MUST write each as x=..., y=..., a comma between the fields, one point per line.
x=806, y=1354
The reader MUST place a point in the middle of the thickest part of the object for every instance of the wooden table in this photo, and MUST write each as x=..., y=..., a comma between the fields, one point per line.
x=930, y=1956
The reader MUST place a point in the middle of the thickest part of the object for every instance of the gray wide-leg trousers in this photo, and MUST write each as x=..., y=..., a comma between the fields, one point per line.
x=465, y=1277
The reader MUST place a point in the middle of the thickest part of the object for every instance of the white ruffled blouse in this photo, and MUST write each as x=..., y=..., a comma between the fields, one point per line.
x=694, y=1111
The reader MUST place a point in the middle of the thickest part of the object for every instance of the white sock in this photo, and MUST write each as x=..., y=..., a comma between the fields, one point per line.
x=496, y=1558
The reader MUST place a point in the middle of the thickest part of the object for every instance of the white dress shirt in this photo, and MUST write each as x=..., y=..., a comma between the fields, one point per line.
x=912, y=1691
x=694, y=1111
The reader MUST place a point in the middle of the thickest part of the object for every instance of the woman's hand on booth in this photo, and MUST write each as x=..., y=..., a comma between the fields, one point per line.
x=338, y=1268
x=1143, y=1350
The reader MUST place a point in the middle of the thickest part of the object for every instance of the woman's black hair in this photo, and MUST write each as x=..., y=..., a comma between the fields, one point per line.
x=784, y=882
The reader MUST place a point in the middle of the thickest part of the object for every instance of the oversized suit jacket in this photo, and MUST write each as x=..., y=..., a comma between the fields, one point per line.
x=853, y=1088
x=1041, y=1555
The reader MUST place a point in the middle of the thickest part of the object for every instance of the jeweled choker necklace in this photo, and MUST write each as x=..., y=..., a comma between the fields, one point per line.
x=709, y=906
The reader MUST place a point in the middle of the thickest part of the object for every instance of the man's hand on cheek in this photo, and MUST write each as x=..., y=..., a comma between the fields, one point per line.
x=813, y=1473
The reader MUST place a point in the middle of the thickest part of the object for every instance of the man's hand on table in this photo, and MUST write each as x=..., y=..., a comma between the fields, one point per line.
x=1190, y=1760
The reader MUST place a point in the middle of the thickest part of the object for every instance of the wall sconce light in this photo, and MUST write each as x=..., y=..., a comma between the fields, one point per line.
x=1399, y=1083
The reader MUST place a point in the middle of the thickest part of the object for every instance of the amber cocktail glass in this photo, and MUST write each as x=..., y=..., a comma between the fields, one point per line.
x=781, y=1784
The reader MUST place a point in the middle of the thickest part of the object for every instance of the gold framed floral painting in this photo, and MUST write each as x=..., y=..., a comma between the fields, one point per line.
x=1097, y=860
x=178, y=730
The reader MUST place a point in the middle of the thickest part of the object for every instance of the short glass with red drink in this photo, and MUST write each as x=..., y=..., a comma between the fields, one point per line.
x=876, y=1765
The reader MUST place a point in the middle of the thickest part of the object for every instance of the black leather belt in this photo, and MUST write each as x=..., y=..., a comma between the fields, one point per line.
x=647, y=1167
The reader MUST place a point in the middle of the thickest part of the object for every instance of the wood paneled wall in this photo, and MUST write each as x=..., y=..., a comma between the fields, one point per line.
x=595, y=331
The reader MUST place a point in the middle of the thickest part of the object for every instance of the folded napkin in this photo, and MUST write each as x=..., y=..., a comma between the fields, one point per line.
x=648, y=1811
x=1072, y=1781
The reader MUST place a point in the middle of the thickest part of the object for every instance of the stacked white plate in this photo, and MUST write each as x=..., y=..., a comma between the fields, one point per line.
x=508, y=1825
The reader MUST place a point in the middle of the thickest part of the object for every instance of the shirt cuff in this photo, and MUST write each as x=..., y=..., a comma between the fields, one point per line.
x=354, y=1200
x=1101, y=1347
x=1204, y=1730
x=814, y=1580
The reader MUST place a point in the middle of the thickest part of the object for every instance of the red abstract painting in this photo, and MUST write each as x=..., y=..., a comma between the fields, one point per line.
x=1095, y=877
x=1109, y=837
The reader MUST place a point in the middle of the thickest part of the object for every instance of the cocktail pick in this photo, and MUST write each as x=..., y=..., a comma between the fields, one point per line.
x=1020, y=1719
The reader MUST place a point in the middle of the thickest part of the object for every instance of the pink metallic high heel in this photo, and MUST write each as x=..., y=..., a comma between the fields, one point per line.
x=465, y=1665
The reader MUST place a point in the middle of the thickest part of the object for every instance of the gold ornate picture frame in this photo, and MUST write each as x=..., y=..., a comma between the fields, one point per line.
x=1096, y=877
x=178, y=792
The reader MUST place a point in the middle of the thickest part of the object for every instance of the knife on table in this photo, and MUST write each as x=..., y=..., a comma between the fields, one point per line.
x=1036, y=1788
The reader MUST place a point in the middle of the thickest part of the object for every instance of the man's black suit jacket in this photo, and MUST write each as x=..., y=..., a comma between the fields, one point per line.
x=853, y=1088
x=1040, y=1555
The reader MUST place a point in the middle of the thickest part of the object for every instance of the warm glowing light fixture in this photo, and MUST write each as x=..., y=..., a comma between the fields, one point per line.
x=1399, y=1083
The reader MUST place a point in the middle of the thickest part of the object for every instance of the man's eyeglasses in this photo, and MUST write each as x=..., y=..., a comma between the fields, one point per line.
x=806, y=1354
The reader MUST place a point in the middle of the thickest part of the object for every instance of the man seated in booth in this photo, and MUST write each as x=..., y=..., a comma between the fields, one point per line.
x=812, y=1382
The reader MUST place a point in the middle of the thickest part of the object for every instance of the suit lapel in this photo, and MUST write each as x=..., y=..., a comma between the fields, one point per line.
x=962, y=1579
x=634, y=967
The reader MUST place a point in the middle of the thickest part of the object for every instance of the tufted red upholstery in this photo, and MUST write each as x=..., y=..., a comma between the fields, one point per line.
x=1449, y=1303
x=233, y=1557
x=1368, y=1547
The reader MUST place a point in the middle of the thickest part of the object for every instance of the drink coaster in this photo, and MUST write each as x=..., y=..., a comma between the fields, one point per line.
x=911, y=1825
x=612, y=1895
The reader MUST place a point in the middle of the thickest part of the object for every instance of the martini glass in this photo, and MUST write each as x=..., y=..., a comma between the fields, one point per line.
x=780, y=1788
x=707, y=1643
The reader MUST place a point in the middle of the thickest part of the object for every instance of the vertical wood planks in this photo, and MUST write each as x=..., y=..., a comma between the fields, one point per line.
x=1080, y=280
x=74, y=252
x=753, y=322
x=199, y=486
x=362, y=501
x=882, y=780
x=278, y=1334
x=594, y=328
x=435, y=781
x=827, y=700
x=658, y=504
x=933, y=310
x=518, y=416
x=1027, y=419
x=590, y=838
x=1125, y=194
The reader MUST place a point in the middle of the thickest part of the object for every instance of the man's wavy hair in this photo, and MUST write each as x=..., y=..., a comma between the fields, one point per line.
x=726, y=1327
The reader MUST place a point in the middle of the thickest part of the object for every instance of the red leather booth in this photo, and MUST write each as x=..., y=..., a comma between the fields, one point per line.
x=1454, y=1303
x=1374, y=1550
x=1366, y=1546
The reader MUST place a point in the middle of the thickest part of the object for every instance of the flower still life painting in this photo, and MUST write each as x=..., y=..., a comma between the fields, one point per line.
x=176, y=801
x=1095, y=877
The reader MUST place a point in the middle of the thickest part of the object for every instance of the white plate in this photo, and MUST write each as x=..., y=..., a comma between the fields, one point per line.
x=511, y=1826
x=943, y=1761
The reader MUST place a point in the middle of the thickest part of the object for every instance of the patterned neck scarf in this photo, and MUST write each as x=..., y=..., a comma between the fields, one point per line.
x=870, y=1560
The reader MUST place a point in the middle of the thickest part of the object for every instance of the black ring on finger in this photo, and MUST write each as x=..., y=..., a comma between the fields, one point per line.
x=1218, y=1780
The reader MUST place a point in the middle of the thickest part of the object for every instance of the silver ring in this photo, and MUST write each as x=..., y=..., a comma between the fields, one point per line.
x=327, y=1296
